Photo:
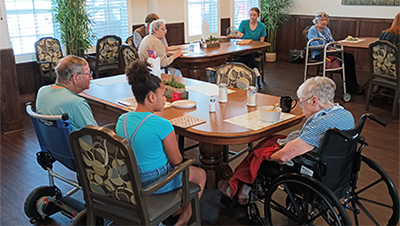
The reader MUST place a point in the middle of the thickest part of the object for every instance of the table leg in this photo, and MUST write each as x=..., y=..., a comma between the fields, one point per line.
x=194, y=71
x=210, y=161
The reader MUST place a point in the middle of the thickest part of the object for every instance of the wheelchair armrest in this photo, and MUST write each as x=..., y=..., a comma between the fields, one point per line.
x=316, y=158
x=110, y=126
x=183, y=167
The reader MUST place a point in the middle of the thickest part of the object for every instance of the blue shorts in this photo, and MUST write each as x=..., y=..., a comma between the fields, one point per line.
x=151, y=176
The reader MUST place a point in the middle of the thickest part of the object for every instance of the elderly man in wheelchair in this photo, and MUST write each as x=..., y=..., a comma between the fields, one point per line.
x=310, y=176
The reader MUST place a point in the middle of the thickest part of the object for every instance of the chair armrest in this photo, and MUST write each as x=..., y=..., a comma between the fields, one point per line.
x=159, y=184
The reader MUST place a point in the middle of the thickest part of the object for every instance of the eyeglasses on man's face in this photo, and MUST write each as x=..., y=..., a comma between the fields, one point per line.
x=90, y=73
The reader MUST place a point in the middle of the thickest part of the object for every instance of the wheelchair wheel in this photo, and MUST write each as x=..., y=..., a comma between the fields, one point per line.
x=81, y=219
x=254, y=214
x=40, y=203
x=375, y=196
x=295, y=199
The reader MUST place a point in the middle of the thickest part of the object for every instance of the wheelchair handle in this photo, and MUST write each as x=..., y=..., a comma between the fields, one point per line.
x=339, y=132
x=376, y=119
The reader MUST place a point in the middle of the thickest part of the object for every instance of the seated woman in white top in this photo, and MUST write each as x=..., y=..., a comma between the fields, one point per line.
x=153, y=42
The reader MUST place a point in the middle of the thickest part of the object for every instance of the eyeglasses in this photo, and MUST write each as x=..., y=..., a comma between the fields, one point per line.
x=90, y=73
x=163, y=29
x=301, y=103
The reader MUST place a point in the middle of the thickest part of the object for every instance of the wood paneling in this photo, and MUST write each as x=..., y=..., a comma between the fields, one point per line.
x=225, y=23
x=175, y=34
x=29, y=79
x=11, y=119
x=290, y=34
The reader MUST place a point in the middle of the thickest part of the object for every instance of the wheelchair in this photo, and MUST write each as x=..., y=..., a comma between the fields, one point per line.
x=53, y=132
x=325, y=188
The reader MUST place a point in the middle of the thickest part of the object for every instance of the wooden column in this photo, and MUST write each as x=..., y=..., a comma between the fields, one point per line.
x=11, y=118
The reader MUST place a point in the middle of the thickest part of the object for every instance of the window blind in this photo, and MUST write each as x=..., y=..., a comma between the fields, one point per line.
x=28, y=20
x=200, y=10
x=110, y=17
x=242, y=8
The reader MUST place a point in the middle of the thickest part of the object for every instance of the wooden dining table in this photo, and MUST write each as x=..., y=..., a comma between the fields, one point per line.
x=215, y=132
x=359, y=49
x=193, y=63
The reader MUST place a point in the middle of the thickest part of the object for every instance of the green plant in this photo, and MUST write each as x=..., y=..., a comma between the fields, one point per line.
x=174, y=83
x=274, y=13
x=74, y=25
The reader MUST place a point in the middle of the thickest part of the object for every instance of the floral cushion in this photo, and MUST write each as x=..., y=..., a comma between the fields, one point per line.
x=384, y=61
x=235, y=75
x=48, y=49
x=108, y=50
x=106, y=169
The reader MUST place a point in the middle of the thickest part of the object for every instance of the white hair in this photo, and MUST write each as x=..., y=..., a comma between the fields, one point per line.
x=321, y=87
x=319, y=15
x=155, y=25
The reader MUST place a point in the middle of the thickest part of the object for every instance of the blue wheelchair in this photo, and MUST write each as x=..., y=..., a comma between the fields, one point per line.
x=53, y=132
x=325, y=188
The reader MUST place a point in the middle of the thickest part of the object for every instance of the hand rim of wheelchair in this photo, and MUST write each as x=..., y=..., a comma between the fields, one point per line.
x=330, y=200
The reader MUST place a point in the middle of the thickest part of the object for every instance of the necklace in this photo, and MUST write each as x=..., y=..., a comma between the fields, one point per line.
x=60, y=85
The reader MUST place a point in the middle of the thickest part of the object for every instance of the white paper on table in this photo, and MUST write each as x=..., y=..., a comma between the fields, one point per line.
x=131, y=103
x=207, y=89
x=252, y=121
x=156, y=66
x=359, y=40
x=109, y=80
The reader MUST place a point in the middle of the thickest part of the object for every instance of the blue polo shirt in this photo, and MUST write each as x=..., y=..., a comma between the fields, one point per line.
x=255, y=35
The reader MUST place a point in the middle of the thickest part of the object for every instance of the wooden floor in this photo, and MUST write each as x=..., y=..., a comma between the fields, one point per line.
x=20, y=173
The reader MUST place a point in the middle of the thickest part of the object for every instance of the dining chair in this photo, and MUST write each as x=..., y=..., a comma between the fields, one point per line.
x=129, y=41
x=236, y=75
x=109, y=175
x=107, y=54
x=128, y=54
x=48, y=54
x=384, y=70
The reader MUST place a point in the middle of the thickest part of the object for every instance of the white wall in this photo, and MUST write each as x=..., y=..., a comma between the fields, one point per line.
x=335, y=8
x=4, y=37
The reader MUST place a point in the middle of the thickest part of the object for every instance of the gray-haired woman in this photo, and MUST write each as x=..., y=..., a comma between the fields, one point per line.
x=153, y=42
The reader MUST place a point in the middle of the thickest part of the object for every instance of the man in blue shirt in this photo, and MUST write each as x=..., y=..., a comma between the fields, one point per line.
x=73, y=77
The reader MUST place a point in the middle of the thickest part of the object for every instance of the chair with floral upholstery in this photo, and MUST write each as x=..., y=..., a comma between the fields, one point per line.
x=107, y=54
x=129, y=41
x=110, y=180
x=128, y=54
x=48, y=54
x=236, y=75
x=385, y=70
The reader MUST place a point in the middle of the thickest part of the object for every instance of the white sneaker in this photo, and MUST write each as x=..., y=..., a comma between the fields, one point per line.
x=256, y=71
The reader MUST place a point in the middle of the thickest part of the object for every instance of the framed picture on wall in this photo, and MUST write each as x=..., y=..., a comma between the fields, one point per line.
x=371, y=2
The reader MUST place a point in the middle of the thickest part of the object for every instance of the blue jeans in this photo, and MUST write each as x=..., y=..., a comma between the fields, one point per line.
x=149, y=177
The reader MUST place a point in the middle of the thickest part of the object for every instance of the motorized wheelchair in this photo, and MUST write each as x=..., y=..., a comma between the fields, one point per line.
x=53, y=133
x=326, y=188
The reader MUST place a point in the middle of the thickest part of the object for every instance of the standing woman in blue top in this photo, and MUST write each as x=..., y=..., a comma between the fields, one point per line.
x=254, y=30
x=154, y=143
x=320, y=30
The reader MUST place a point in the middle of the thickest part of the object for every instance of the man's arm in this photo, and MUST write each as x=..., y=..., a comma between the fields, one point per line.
x=137, y=39
x=292, y=149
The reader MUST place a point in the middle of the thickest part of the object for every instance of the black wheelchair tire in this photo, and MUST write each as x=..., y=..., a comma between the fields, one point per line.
x=393, y=219
x=81, y=219
x=31, y=200
x=330, y=203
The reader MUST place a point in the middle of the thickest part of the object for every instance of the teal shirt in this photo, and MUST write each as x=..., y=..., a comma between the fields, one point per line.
x=51, y=101
x=255, y=35
x=147, y=144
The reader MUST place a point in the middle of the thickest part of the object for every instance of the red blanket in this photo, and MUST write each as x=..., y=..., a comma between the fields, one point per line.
x=246, y=171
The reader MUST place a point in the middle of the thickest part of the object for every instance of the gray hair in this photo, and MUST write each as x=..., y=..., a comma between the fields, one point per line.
x=68, y=66
x=155, y=25
x=321, y=87
x=319, y=15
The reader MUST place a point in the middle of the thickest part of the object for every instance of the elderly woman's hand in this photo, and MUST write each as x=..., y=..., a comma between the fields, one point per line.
x=177, y=54
x=240, y=34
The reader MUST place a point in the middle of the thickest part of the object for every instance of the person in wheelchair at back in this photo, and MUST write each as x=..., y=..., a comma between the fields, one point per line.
x=73, y=77
x=153, y=138
x=320, y=30
x=316, y=100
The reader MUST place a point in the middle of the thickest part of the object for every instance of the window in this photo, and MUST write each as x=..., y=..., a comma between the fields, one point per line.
x=110, y=17
x=200, y=10
x=28, y=20
x=242, y=8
